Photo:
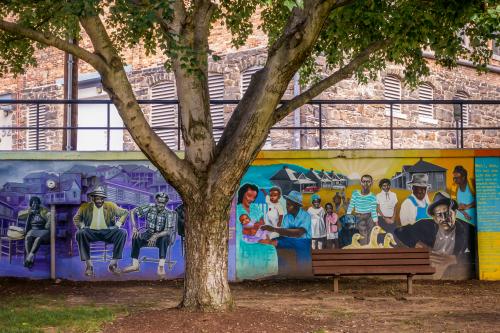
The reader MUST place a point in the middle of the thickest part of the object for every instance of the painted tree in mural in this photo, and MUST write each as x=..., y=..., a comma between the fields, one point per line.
x=354, y=37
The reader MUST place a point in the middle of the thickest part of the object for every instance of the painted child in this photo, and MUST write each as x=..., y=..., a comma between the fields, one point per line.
x=251, y=230
x=332, y=227
x=275, y=210
x=318, y=229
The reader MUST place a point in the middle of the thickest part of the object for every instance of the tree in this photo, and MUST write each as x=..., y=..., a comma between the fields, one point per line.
x=355, y=37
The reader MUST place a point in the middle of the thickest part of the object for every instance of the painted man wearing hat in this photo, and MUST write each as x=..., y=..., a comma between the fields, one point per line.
x=449, y=239
x=96, y=222
x=415, y=206
x=295, y=231
x=160, y=231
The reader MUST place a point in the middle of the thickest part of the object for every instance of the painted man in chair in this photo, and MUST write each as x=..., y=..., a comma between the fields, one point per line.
x=97, y=221
x=160, y=231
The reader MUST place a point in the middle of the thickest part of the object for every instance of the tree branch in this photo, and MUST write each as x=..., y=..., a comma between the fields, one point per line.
x=115, y=82
x=339, y=75
x=51, y=40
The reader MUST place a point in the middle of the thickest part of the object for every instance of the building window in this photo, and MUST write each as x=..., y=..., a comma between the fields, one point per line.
x=165, y=115
x=464, y=110
x=33, y=113
x=496, y=49
x=392, y=91
x=246, y=77
x=216, y=91
x=426, y=93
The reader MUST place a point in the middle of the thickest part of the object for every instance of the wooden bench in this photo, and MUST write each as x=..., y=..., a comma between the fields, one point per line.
x=398, y=261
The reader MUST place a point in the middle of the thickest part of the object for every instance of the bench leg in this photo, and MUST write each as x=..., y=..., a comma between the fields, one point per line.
x=336, y=284
x=409, y=282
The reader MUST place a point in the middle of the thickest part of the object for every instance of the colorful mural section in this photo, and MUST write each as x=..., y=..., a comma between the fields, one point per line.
x=488, y=198
x=113, y=221
x=286, y=207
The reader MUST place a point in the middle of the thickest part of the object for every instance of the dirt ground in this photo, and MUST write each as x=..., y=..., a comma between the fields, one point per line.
x=363, y=305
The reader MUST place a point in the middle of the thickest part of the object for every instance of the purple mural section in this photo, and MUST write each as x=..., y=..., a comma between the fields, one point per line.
x=87, y=232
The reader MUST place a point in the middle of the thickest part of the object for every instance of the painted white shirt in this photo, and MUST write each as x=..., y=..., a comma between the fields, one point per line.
x=387, y=202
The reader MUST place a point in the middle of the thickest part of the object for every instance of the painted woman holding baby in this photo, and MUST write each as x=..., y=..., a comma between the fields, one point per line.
x=253, y=258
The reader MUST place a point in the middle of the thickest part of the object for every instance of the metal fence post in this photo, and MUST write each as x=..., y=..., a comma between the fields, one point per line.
x=37, y=126
x=108, y=130
x=462, y=125
x=391, y=124
x=320, y=126
x=178, y=127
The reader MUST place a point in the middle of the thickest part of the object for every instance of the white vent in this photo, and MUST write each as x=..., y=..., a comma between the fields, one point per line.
x=246, y=77
x=216, y=91
x=465, y=108
x=31, y=141
x=426, y=93
x=165, y=114
x=392, y=91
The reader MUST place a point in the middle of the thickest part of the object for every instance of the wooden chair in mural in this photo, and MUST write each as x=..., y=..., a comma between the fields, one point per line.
x=9, y=246
x=170, y=263
x=101, y=251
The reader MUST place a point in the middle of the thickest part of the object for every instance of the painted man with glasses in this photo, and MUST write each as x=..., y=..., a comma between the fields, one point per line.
x=160, y=231
x=450, y=239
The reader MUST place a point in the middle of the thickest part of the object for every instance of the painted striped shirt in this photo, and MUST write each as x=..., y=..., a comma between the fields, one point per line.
x=363, y=204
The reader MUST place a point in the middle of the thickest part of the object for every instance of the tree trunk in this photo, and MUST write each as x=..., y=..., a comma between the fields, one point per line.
x=206, y=286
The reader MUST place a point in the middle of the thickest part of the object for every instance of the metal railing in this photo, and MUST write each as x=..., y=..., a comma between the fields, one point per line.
x=458, y=112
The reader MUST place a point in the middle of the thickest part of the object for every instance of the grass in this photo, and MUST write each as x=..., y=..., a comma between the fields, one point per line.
x=42, y=314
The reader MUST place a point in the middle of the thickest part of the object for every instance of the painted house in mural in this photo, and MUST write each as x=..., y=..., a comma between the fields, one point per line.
x=160, y=185
x=437, y=175
x=310, y=182
x=289, y=180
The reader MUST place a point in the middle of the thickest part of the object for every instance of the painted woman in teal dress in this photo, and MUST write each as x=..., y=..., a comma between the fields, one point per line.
x=253, y=260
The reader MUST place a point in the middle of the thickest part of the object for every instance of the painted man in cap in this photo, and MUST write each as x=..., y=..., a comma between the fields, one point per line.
x=160, y=231
x=97, y=221
x=415, y=206
x=450, y=239
x=295, y=231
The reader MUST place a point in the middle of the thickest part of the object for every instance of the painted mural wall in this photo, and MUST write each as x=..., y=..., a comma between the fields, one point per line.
x=286, y=207
x=288, y=203
x=110, y=242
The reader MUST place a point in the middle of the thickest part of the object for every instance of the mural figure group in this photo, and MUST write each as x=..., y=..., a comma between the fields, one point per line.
x=444, y=225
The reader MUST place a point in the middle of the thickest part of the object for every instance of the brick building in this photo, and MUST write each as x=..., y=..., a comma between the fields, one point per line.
x=228, y=79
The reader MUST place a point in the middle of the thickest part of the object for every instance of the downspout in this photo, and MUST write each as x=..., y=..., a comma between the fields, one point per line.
x=69, y=90
x=296, y=113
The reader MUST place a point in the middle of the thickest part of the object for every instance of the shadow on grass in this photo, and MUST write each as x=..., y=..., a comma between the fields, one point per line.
x=42, y=314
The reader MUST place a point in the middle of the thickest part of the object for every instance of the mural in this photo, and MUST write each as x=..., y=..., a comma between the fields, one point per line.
x=122, y=220
x=112, y=221
x=286, y=209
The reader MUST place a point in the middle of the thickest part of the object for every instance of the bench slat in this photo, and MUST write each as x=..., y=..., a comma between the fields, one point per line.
x=367, y=256
x=373, y=270
x=374, y=262
x=380, y=250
